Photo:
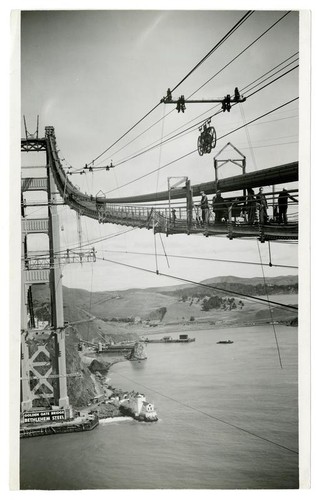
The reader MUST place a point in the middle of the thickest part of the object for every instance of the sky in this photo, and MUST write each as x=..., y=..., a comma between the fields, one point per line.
x=93, y=74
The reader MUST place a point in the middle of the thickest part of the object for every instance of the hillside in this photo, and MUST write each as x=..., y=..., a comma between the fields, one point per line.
x=181, y=302
x=119, y=305
x=289, y=280
x=115, y=311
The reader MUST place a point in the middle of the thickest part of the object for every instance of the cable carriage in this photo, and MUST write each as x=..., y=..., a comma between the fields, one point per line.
x=207, y=139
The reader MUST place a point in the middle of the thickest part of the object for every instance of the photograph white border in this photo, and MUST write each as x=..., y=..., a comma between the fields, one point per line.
x=10, y=199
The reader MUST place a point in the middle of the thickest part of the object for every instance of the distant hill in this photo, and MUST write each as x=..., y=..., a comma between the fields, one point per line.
x=288, y=280
x=248, y=286
x=172, y=303
x=278, y=280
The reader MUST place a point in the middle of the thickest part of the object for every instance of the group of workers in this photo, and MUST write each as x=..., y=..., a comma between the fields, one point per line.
x=255, y=206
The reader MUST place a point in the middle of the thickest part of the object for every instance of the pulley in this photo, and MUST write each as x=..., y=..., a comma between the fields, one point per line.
x=207, y=139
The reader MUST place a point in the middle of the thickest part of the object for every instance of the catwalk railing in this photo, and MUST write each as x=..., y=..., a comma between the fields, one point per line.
x=175, y=218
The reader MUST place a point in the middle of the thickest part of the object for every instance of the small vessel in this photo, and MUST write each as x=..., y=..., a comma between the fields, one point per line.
x=225, y=342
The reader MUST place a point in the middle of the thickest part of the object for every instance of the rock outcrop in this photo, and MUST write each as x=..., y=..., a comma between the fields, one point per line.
x=138, y=352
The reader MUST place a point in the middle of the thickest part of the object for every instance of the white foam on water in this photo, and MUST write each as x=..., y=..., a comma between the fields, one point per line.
x=113, y=419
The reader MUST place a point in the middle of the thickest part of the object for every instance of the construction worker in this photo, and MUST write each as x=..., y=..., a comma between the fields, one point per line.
x=262, y=206
x=218, y=207
x=251, y=206
x=204, y=205
x=283, y=205
x=174, y=216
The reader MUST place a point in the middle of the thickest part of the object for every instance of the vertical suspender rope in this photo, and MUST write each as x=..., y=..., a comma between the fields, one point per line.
x=270, y=258
x=270, y=309
x=157, y=181
x=160, y=149
x=91, y=282
x=115, y=177
x=92, y=182
x=248, y=136
x=261, y=236
x=168, y=264
x=79, y=230
x=156, y=262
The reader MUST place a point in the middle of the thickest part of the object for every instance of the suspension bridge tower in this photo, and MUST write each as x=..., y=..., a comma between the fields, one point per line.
x=43, y=352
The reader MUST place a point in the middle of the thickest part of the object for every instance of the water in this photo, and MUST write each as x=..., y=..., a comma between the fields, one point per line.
x=228, y=419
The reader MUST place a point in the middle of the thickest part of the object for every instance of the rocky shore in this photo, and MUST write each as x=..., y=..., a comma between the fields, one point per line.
x=107, y=404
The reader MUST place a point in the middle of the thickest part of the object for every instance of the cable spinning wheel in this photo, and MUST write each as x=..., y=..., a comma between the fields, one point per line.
x=207, y=139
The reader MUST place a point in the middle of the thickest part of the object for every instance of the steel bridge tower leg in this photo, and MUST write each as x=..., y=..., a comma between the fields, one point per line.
x=56, y=287
x=26, y=396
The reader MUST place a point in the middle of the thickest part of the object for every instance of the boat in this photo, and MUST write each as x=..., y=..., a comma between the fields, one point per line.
x=225, y=342
x=183, y=338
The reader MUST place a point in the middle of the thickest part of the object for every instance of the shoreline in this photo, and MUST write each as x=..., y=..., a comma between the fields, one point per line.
x=193, y=326
x=104, y=375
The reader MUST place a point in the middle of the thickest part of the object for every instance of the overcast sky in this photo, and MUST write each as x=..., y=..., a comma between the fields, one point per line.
x=93, y=74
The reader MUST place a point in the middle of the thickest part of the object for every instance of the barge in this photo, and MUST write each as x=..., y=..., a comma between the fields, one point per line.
x=182, y=339
x=79, y=424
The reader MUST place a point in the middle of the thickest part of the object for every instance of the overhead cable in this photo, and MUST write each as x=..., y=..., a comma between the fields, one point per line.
x=220, y=71
x=183, y=132
x=204, y=285
x=194, y=150
x=97, y=240
x=190, y=257
x=231, y=31
x=213, y=417
x=155, y=144
x=243, y=89
x=240, y=53
x=270, y=311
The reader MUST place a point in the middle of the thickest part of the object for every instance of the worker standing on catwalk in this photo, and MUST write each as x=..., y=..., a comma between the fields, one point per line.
x=204, y=205
x=219, y=207
x=283, y=205
x=262, y=206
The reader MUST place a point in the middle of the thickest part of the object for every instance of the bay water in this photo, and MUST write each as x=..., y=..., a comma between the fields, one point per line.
x=228, y=419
